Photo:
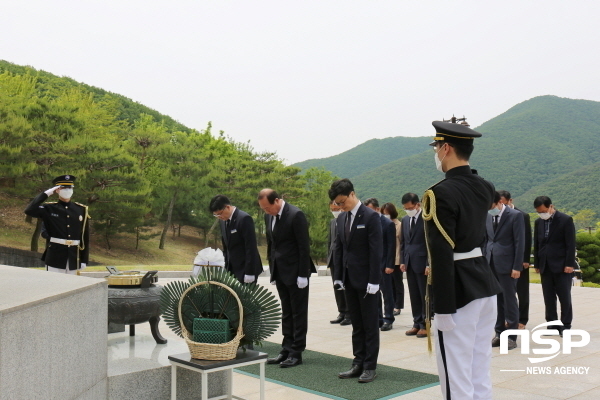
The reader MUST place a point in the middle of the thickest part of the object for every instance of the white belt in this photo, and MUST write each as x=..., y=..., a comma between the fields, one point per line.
x=65, y=241
x=476, y=252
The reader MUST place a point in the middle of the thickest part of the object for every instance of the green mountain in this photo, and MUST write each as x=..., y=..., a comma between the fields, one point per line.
x=372, y=154
x=543, y=146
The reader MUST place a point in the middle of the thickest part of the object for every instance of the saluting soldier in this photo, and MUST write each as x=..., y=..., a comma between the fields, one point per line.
x=66, y=224
x=463, y=285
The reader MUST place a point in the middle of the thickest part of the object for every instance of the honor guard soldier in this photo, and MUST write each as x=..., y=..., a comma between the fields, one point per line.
x=66, y=224
x=462, y=283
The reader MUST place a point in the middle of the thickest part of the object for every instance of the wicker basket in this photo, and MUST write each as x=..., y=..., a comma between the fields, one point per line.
x=210, y=351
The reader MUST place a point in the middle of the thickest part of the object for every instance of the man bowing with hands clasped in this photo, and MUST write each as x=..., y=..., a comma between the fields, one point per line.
x=288, y=250
x=358, y=255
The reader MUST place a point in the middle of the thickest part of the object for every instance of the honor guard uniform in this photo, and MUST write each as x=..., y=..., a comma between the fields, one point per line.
x=66, y=224
x=463, y=287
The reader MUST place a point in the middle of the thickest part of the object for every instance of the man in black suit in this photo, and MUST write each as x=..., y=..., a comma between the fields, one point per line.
x=239, y=240
x=358, y=255
x=288, y=250
x=554, y=257
x=343, y=317
x=388, y=231
x=523, y=281
x=414, y=261
x=463, y=284
x=504, y=252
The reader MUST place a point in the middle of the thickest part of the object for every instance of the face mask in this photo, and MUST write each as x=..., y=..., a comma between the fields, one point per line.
x=438, y=162
x=412, y=213
x=545, y=215
x=65, y=193
x=494, y=211
x=336, y=213
x=387, y=216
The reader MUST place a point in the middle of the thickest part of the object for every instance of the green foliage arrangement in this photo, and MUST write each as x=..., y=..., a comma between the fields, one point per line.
x=588, y=251
x=262, y=313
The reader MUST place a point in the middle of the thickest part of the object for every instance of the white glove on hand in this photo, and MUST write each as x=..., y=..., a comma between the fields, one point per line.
x=272, y=282
x=83, y=266
x=248, y=278
x=339, y=285
x=302, y=282
x=444, y=322
x=51, y=191
x=372, y=289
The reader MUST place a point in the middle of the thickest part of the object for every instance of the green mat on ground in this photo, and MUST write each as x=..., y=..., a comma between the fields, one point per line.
x=318, y=374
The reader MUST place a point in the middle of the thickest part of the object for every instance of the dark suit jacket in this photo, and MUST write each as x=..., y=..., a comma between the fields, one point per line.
x=388, y=230
x=412, y=245
x=358, y=257
x=506, y=244
x=331, y=241
x=527, y=247
x=288, y=247
x=462, y=203
x=241, y=252
x=558, y=250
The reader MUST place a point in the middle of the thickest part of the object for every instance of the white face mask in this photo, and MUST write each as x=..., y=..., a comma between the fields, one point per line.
x=65, y=193
x=438, y=162
x=494, y=211
x=545, y=215
x=336, y=213
x=387, y=216
x=412, y=213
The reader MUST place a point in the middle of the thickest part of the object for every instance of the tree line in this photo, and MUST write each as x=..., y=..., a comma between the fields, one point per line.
x=135, y=169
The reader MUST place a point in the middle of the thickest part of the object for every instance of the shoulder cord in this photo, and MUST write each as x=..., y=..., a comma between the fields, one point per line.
x=81, y=245
x=429, y=213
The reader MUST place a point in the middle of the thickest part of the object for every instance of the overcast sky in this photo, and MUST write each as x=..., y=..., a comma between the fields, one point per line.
x=311, y=79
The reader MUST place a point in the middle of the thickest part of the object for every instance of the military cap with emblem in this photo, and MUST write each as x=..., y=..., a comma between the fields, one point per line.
x=64, y=180
x=453, y=133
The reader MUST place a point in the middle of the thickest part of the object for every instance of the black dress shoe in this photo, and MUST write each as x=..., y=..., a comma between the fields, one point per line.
x=496, y=341
x=346, y=321
x=397, y=311
x=290, y=362
x=339, y=319
x=386, y=327
x=353, y=372
x=277, y=360
x=368, y=375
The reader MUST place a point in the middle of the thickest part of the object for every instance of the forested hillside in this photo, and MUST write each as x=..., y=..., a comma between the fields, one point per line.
x=546, y=145
x=136, y=168
x=369, y=155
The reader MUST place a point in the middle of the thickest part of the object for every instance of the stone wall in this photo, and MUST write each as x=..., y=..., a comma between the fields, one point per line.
x=20, y=258
x=52, y=336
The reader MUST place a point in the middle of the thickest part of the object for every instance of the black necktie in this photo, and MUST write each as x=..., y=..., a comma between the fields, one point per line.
x=276, y=222
x=496, y=222
x=348, y=224
x=227, y=229
x=412, y=224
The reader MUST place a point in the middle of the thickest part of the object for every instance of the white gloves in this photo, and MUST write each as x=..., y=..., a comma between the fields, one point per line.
x=302, y=282
x=444, y=322
x=372, y=289
x=83, y=266
x=248, y=278
x=339, y=285
x=273, y=283
x=51, y=191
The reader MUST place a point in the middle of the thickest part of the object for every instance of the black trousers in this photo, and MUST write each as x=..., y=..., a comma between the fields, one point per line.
x=365, y=326
x=340, y=295
x=523, y=296
x=398, y=277
x=386, y=308
x=294, y=318
x=417, y=287
x=558, y=286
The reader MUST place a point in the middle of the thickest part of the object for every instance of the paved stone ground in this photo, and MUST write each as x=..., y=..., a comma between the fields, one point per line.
x=403, y=351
